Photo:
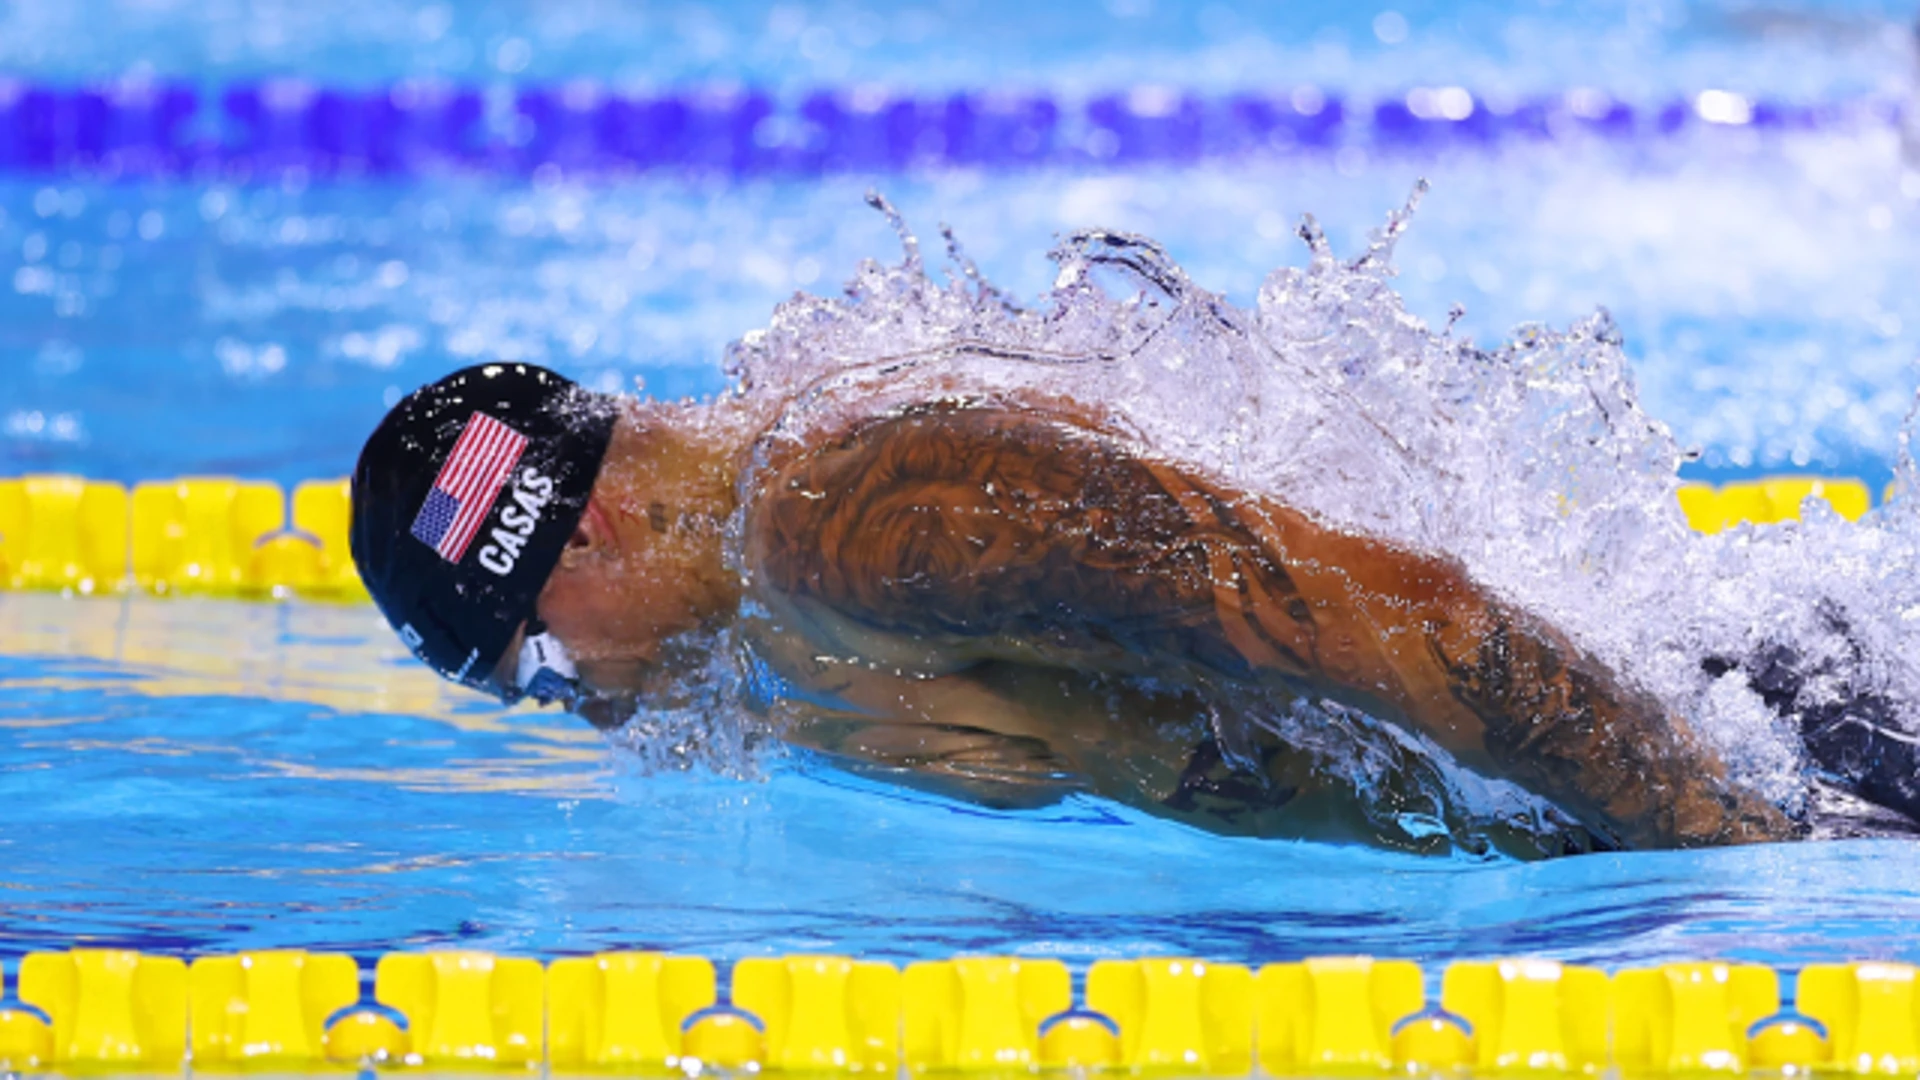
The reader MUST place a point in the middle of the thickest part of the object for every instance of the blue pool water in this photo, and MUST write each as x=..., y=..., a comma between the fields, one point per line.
x=197, y=776
x=192, y=776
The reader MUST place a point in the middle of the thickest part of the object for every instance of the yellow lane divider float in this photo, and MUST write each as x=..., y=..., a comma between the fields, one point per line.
x=196, y=536
x=639, y=1012
x=1711, y=509
x=219, y=536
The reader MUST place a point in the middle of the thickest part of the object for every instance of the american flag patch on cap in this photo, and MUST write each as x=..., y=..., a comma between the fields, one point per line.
x=482, y=459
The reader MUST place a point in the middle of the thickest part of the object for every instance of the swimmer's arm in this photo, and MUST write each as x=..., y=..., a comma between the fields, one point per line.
x=945, y=733
x=1487, y=680
x=941, y=734
x=954, y=760
x=1566, y=727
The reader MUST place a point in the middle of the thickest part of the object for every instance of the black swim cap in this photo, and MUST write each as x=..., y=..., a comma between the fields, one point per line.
x=463, y=500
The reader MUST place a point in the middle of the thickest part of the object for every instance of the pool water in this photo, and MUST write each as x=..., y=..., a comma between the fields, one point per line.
x=193, y=776
x=318, y=789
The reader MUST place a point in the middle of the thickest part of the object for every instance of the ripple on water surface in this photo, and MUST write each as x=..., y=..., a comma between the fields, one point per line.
x=204, y=776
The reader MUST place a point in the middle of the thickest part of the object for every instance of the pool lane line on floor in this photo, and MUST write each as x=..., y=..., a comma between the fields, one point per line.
x=270, y=128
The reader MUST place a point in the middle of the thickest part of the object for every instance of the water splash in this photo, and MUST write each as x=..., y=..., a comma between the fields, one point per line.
x=1531, y=463
x=703, y=717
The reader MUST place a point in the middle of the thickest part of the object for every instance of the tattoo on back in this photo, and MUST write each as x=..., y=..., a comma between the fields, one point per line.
x=974, y=524
x=950, y=523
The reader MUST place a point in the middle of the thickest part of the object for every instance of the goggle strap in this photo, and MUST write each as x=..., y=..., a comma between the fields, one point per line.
x=544, y=671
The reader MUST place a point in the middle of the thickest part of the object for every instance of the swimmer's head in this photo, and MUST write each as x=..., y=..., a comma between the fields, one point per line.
x=463, y=500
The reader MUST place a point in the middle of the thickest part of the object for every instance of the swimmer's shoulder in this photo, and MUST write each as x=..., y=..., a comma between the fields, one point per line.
x=957, y=422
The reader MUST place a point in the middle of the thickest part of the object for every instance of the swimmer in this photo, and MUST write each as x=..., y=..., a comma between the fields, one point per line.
x=1009, y=599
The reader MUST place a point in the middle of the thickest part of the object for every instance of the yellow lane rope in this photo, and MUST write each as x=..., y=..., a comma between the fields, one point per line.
x=195, y=536
x=221, y=536
x=641, y=1012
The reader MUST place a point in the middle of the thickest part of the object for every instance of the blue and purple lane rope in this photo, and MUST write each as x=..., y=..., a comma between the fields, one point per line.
x=158, y=129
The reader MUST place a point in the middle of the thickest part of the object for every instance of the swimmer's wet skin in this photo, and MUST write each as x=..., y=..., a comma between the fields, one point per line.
x=1007, y=600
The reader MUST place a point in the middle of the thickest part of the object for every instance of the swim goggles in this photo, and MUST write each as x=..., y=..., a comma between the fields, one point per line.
x=544, y=672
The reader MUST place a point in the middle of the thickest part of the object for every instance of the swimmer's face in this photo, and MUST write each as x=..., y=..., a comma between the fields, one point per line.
x=642, y=565
x=610, y=600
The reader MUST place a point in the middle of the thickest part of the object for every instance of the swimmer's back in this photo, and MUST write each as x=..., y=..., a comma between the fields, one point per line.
x=999, y=534
x=975, y=534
